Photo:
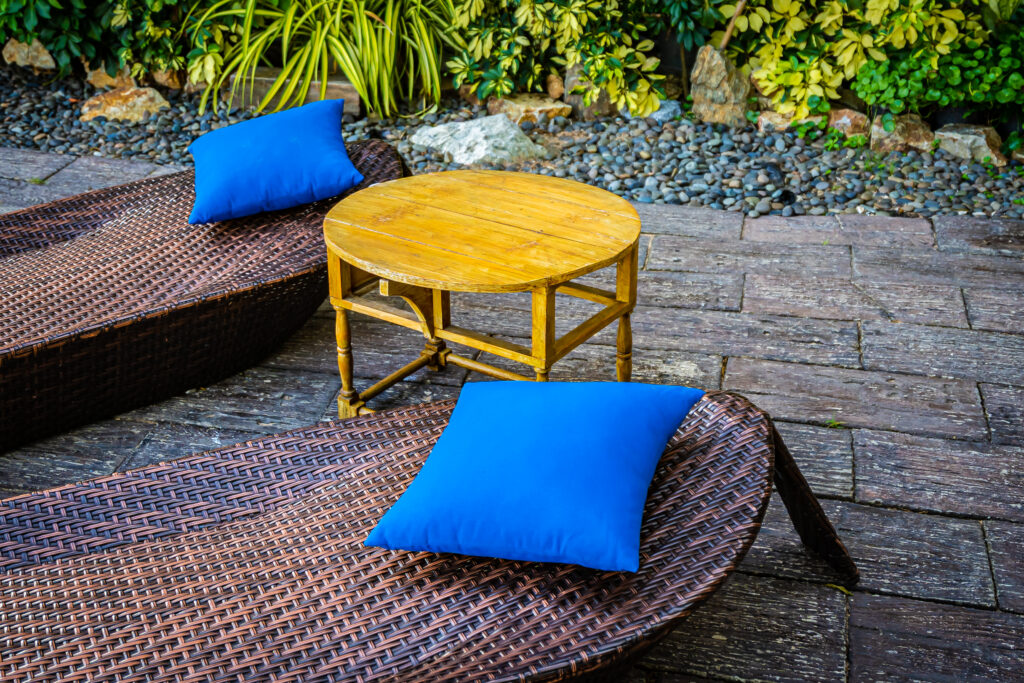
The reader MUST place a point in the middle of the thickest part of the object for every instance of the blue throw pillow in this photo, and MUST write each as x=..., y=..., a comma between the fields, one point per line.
x=541, y=471
x=272, y=162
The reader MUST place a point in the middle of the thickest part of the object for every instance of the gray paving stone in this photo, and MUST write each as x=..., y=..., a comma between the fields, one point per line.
x=859, y=398
x=1005, y=408
x=976, y=235
x=92, y=451
x=172, y=441
x=843, y=299
x=27, y=164
x=893, y=550
x=940, y=475
x=758, y=628
x=844, y=229
x=259, y=400
x=943, y=352
x=1006, y=548
x=166, y=169
x=927, y=266
x=824, y=455
x=9, y=493
x=740, y=334
x=670, y=252
x=689, y=221
x=995, y=309
x=93, y=173
x=898, y=639
x=18, y=194
x=717, y=291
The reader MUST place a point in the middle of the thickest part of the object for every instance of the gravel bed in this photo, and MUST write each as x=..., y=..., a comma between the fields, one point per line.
x=679, y=162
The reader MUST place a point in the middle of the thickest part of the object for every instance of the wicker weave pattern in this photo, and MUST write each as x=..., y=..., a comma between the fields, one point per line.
x=247, y=563
x=108, y=294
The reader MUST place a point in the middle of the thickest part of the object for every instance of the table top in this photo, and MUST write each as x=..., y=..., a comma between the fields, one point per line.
x=481, y=231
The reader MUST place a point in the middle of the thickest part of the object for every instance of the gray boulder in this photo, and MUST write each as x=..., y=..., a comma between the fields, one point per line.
x=491, y=139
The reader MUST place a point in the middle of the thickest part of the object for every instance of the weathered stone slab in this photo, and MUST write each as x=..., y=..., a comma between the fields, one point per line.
x=880, y=231
x=943, y=352
x=758, y=628
x=1001, y=310
x=1006, y=548
x=172, y=441
x=672, y=252
x=95, y=450
x=824, y=455
x=8, y=493
x=859, y=398
x=596, y=363
x=717, y=291
x=893, y=549
x=899, y=639
x=18, y=194
x=738, y=334
x=927, y=266
x=976, y=479
x=259, y=400
x=980, y=235
x=28, y=164
x=689, y=221
x=93, y=173
x=1005, y=408
x=378, y=349
x=842, y=299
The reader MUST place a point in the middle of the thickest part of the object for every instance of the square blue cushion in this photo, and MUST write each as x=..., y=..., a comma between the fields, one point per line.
x=272, y=162
x=541, y=471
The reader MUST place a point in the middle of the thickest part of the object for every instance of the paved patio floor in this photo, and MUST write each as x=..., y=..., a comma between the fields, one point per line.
x=891, y=351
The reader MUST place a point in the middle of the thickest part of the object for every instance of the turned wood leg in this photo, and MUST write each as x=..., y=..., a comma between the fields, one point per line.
x=624, y=350
x=816, y=532
x=543, y=335
x=348, y=400
x=442, y=318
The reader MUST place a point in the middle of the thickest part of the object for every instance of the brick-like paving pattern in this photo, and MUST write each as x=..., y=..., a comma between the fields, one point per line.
x=891, y=350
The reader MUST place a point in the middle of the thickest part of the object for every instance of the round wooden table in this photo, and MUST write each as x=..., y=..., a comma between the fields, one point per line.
x=423, y=237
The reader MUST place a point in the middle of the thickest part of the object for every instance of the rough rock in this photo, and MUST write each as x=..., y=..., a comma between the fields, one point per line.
x=468, y=95
x=774, y=122
x=1018, y=156
x=963, y=140
x=554, y=86
x=32, y=54
x=720, y=91
x=124, y=104
x=909, y=133
x=602, y=106
x=99, y=78
x=850, y=122
x=491, y=139
x=168, y=78
x=528, y=107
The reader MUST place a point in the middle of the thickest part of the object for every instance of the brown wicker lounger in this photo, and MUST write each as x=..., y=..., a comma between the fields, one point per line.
x=247, y=563
x=110, y=300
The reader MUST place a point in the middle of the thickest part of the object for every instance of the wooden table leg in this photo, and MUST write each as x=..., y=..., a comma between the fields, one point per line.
x=625, y=291
x=339, y=280
x=624, y=351
x=543, y=331
x=442, y=312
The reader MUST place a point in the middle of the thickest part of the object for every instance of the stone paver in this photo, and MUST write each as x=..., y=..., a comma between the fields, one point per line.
x=975, y=235
x=944, y=352
x=834, y=324
x=896, y=639
x=845, y=229
x=995, y=309
x=1006, y=548
x=1005, y=408
x=858, y=398
x=941, y=475
x=843, y=299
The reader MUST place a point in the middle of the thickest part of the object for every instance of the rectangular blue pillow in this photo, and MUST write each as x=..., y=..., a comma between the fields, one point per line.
x=272, y=162
x=542, y=471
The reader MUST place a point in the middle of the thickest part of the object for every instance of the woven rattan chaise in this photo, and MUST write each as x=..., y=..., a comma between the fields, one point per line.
x=247, y=564
x=110, y=300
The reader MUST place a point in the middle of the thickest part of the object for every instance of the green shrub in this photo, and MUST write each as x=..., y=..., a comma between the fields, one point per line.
x=142, y=34
x=692, y=20
x=390, y=50
x=513, y=45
